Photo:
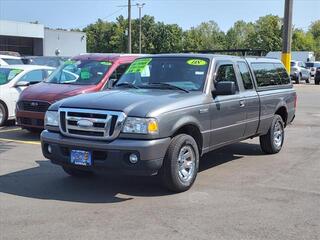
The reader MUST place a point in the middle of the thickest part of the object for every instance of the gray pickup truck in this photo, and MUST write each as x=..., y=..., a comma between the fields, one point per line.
x=167, y=111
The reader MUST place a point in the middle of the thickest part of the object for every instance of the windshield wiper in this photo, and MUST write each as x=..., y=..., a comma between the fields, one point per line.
x=169, y=86
x=127, y=84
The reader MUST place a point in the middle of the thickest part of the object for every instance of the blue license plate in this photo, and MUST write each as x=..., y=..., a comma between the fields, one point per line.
x=82, y=158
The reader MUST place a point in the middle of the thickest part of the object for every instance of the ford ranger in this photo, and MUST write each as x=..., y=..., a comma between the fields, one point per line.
x=168, y=110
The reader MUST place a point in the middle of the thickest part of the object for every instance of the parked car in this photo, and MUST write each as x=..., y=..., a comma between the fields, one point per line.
x=9, y=60
x=82, y=74
x=168, y=110
x=317, y=77
x=47, y=61
x=299, y=72
x=312, y=66
x=14, y=79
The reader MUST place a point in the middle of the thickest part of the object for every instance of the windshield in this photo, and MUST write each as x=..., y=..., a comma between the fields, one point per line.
x=7, y=74
x=312, y=64
x=179, y=72
x=80, y=72
x=11, y=61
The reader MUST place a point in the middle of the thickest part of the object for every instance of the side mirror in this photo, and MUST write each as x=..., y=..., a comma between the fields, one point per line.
x=22, y=84
x=111, y=83
x=224, y=88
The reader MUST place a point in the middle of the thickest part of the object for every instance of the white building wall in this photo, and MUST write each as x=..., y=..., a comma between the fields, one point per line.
x=21, y=29
x=69, y=43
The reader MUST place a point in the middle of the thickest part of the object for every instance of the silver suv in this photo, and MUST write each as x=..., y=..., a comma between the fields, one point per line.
x=313, y=66
x=299, y=72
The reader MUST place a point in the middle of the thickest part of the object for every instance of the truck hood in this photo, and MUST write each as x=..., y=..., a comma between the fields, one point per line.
x=134, y=102
x=52, y=92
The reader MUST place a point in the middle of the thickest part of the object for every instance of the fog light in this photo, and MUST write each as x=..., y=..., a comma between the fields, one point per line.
x=49, y=149
x=133, y=158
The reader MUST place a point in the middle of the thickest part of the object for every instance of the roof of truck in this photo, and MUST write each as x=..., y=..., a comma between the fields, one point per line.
x=218, y=57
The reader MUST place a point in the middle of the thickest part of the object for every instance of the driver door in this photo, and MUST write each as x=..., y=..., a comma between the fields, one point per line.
x=228, y=114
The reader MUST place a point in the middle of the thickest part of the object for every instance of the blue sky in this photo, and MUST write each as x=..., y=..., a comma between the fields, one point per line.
x=186, y=13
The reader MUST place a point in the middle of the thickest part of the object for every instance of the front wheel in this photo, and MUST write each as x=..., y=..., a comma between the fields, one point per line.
x=3, y=115
x=181, y=163
x=76, y=172
x=272, y=142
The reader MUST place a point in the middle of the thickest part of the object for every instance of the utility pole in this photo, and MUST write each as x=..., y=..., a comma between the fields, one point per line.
x=129, y=27
x=140, y=6
x=287, y=34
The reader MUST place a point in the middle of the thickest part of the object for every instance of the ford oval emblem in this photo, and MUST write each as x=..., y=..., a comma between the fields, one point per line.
x=85, y=123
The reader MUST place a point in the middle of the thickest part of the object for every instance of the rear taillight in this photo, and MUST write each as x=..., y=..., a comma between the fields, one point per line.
x=295, y=101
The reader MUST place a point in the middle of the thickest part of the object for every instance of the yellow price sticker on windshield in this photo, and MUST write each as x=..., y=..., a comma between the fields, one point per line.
x=197, y=62
x=106, y=63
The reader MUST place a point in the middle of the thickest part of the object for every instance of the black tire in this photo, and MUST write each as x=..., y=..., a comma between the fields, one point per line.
x=4, y=114
x=268, y=143
x=77, y=173
x=308, y=79
x=298, y=79
x=317, y=81
x=170, y=174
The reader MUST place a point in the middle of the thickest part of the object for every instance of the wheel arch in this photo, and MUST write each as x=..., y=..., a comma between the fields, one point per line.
x=283, y=113
x=193, y=130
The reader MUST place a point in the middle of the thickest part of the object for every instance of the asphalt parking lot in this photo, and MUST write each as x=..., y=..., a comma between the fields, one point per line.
x=239, y=193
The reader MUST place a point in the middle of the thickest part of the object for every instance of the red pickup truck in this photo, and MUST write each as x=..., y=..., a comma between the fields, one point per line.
x=82, y=74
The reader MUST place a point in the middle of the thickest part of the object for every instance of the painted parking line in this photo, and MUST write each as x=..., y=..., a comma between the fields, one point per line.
x=20, y=141
x=10, y=130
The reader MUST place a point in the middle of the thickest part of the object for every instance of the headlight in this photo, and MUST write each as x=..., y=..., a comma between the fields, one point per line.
x=140, y=125
x=51, y=119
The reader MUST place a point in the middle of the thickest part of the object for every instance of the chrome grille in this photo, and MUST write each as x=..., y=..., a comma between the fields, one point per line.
x=90, y=124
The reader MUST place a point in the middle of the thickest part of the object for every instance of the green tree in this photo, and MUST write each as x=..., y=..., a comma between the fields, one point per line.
x=302, y=41
x=314, y=29
x=206, y=36
x=238, y=35
x=267, y=33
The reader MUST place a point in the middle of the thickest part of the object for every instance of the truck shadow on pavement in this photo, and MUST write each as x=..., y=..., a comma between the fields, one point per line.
x=48, y=181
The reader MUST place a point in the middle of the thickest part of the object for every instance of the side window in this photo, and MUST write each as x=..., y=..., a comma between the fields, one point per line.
x=245, y=75
x=284, y=77
x=33, y=76
x=226, y=73
x=119, y=71
x=266, y=74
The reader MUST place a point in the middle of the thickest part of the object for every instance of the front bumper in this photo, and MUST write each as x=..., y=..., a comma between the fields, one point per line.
x=108, y=155
x=27, y=119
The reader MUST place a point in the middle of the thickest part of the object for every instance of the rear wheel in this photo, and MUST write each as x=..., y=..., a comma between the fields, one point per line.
x=308, y=79
x=76, y=172
x=317, y=81
x=298, y=79
x=272, y=142
x=181, y=163
x=3, y=114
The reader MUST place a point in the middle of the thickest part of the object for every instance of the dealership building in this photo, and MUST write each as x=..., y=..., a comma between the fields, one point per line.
x=36, y=40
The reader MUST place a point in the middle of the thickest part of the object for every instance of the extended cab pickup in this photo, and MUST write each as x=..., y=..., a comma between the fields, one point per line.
x=168, y=110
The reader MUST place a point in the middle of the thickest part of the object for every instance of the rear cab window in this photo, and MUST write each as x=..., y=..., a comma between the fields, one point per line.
x=270, y=74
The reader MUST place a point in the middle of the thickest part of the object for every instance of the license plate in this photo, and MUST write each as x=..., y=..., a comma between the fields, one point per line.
x=82, y=158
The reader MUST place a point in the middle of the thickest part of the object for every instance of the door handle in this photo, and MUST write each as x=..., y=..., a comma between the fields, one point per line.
x=242, y=103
